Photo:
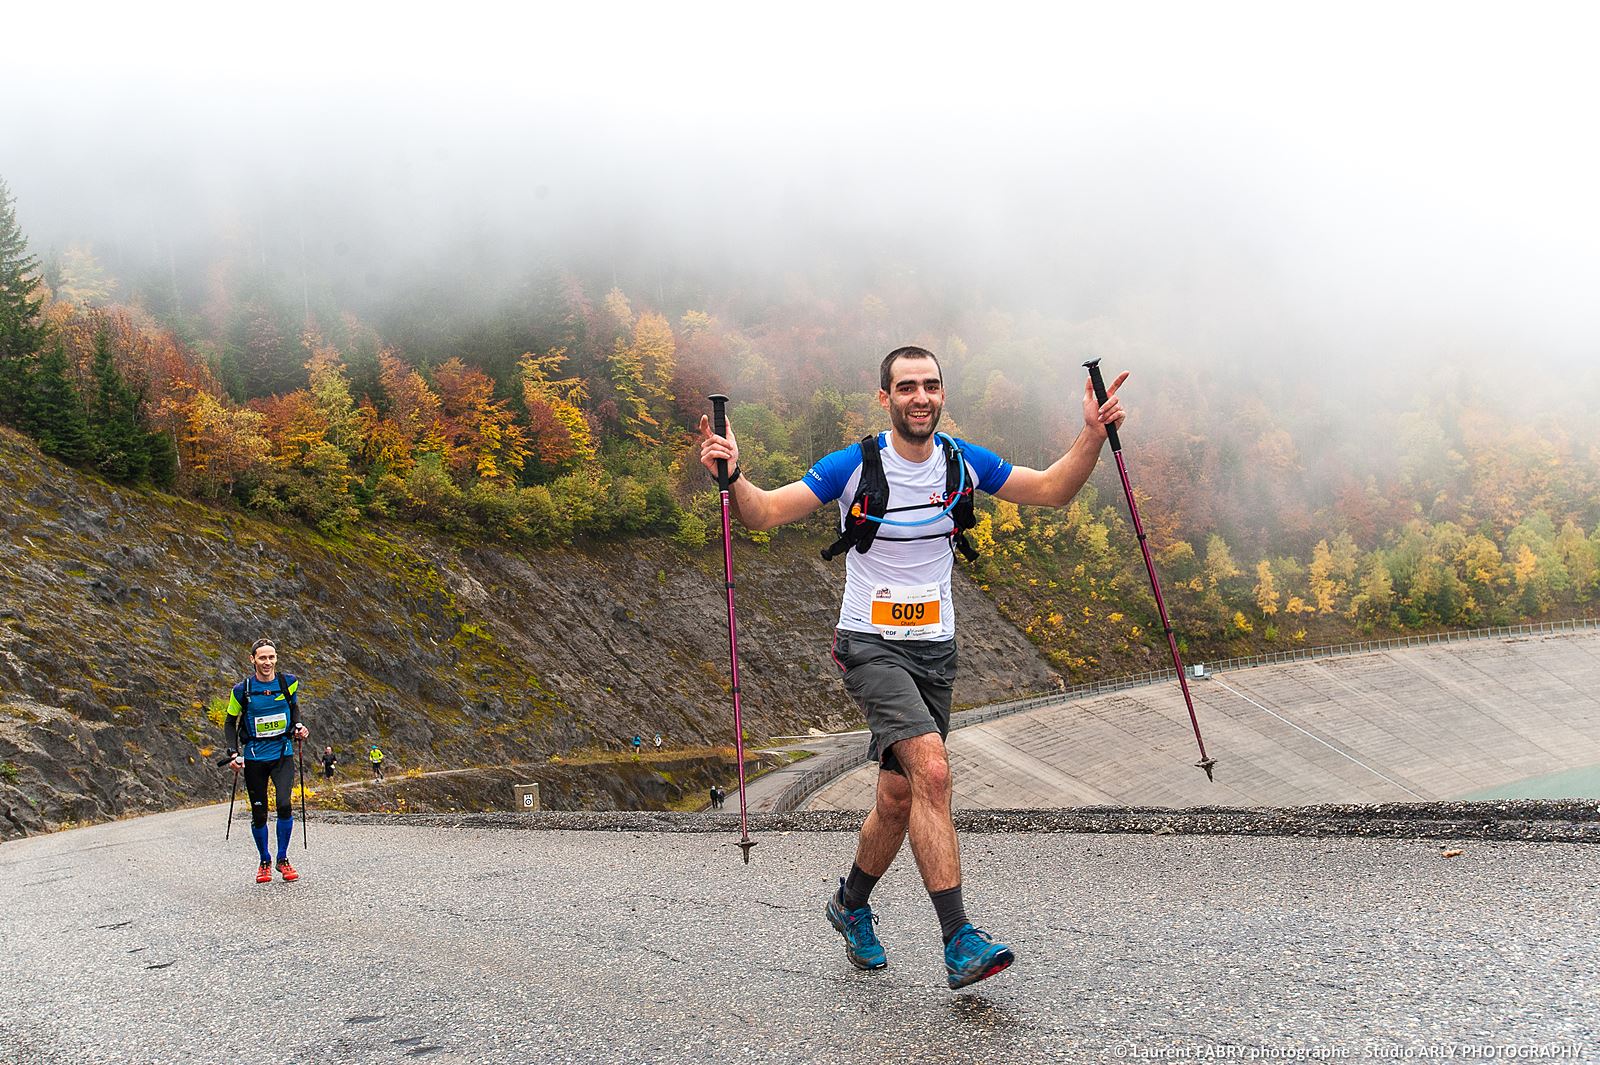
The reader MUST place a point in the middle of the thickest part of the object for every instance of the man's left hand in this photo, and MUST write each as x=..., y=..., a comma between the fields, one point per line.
x=301, y=732
x=1097, y=415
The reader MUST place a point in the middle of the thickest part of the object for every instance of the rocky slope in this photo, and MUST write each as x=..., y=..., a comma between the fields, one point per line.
x=123, y=614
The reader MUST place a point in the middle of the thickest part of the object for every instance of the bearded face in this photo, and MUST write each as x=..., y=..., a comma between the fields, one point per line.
x=915, y=399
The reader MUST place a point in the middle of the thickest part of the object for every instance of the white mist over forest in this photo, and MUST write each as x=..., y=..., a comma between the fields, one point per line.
x=1343, y=185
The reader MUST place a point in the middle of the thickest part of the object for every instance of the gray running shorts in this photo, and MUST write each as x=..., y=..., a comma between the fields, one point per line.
x=903, y=686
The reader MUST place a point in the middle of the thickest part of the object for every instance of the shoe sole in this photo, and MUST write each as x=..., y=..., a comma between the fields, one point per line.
x=838, y=926
x=1001, y=963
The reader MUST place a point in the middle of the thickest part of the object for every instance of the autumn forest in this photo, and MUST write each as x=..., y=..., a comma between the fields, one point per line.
x=1286, y=507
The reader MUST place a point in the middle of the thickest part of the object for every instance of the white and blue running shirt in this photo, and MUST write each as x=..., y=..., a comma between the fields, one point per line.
x=895, y=558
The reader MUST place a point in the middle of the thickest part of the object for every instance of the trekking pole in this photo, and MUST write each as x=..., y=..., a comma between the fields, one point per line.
x=1205, y=762
x=227, y=831
x=719, y=416
x=300, y=757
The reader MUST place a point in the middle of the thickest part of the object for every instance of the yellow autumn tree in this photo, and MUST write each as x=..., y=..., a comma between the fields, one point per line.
x=1324, y=588
x=1266, y=590
x=559, y=434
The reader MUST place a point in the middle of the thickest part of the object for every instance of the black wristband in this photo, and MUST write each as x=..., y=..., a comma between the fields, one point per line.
x=735, y=475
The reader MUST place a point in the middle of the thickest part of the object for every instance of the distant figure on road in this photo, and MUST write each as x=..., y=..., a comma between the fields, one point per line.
x=658, y=741
x=894, y=642
x=375, y=756
x=638, y=745
x=261, y=725
x=329, y=760
x=716, y=797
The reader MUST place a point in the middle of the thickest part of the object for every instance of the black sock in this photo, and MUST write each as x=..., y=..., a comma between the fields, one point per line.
x=951, y=910
x=857, y=888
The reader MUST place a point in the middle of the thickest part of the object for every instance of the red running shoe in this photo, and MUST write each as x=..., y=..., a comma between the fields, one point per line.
x=264, y=873
x=286, y=871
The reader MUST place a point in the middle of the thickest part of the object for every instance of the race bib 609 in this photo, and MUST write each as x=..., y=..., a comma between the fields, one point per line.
x=906, y=612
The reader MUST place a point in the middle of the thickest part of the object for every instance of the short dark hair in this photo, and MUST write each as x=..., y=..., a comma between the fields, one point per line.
x=259, y=644
x=911, y=351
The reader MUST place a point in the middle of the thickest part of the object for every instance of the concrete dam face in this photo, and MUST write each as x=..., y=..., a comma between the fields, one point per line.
x=1452, y=720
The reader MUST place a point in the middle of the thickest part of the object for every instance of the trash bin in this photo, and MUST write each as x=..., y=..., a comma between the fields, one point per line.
x=527, y=797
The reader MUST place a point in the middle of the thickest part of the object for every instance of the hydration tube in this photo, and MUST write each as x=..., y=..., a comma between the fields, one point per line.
x=961, y=487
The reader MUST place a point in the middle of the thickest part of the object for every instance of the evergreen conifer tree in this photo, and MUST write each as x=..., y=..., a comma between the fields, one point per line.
x=163, y=455
x=53, y=412
x=22, y=333
x=123, y=452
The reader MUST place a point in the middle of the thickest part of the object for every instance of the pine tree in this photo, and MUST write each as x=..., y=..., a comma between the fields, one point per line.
x=22, y=333
x=162, y=451
x=54, y=412
x=123, y=446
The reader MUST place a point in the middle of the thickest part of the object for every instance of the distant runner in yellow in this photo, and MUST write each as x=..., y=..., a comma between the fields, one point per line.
x=375, y=756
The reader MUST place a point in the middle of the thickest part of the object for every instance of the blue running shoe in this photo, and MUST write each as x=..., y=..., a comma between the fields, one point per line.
x=861, y=944
x=971, y=956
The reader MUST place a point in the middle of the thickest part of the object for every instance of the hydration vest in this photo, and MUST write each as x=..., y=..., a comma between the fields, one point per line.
x=241, y=695
x=872, y=501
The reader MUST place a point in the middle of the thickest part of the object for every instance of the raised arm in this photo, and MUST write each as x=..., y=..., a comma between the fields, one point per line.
x=1056, y=486
x=756, y=508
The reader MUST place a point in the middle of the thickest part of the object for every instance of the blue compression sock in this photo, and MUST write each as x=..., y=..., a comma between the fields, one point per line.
x=260, y=835
x=285, y=830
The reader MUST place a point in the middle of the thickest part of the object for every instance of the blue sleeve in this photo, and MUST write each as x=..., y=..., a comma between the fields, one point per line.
x=829, y=475
x=992, y=470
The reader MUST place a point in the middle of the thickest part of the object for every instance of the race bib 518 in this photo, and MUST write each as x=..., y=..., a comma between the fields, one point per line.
x=268, y=725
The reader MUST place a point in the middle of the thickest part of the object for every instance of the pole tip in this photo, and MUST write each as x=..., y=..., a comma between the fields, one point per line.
x=717, y=397
x=1207, y=764
x=1092, y=363
x=745, y=845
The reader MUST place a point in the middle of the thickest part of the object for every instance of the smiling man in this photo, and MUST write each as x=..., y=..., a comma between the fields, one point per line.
x=262, y=724
x=905, y=498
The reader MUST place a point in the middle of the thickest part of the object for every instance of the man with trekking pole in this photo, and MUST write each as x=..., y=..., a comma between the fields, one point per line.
x=905, y=501
x=262, y=723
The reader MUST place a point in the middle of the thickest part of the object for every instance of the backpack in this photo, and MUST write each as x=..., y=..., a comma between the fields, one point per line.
x=241, y=695
x=872, y=501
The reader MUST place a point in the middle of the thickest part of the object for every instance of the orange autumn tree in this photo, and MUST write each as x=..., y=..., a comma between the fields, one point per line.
x=410, y=424
x=481, y=434
x=220, y=446
x=559, y=434
x=312, y=432
x=168, y=379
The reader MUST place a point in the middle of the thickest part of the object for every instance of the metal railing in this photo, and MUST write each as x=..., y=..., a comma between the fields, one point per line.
x=814, y=780
x=1366, y=646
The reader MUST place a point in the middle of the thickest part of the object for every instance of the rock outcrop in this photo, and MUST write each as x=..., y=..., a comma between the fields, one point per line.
x=124, y=614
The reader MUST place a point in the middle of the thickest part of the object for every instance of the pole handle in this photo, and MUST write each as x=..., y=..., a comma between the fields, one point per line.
x=719, y=425
x=1093, y=366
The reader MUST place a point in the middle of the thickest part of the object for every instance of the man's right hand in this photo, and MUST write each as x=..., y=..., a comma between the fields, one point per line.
x=714, y=447
x=237, y=765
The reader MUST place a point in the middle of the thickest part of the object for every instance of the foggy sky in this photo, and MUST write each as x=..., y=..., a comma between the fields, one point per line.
x=1340, y=182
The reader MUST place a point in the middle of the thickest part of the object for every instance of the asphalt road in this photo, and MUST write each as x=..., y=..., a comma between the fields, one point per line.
x=148, y=941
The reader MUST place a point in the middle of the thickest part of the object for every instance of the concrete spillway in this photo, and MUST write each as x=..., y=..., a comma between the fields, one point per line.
x=1438, y=721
